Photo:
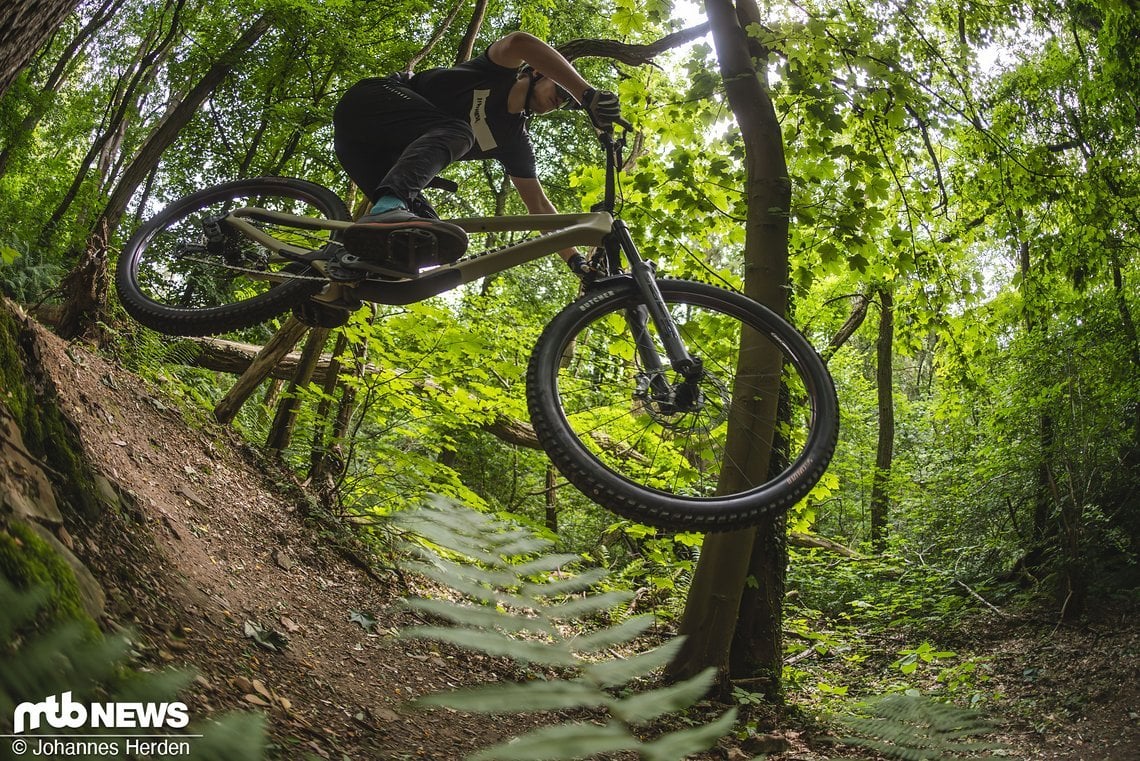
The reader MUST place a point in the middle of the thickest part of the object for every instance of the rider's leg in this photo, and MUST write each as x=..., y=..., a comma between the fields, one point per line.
x=393, y=142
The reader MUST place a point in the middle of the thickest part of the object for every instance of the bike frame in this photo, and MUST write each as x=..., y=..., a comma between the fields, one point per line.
x=557, y=232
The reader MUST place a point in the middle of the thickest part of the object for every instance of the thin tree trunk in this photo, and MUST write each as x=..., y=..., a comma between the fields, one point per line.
x=467, y=44
x=66, y=58
x=850, y=326
x=281, y=431
x=165, y=133
x=551, y=500
x=436, y=36
x=713, y=607
x=884, y=375
x=79, y=314
x=119, y=108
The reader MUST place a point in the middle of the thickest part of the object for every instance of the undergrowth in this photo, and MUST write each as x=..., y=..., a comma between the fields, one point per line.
x=515, y=599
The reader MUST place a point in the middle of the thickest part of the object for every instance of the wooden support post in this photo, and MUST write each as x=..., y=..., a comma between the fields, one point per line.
x=281, y=432
x=281, y=344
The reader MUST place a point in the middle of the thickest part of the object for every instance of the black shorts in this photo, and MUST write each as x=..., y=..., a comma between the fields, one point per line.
x=375, y=124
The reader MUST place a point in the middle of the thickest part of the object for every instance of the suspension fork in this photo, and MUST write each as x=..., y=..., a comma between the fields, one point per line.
x=653, y=308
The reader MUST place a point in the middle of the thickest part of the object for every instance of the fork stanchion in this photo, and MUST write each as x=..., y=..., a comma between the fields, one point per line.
x=281, y=344
x=281, y=432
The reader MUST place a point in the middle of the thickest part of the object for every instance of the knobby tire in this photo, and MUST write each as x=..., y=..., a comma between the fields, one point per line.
x=147, y=272
x=648, y=462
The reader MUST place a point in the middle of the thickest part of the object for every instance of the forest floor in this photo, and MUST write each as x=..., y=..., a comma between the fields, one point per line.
x=218, y=544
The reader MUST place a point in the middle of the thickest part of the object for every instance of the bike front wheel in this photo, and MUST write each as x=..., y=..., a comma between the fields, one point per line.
x=746, y=438
x=187, y=272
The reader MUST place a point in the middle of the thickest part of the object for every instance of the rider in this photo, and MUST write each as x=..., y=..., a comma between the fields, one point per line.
x=394, y=134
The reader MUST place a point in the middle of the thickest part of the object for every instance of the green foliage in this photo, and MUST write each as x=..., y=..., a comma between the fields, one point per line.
x=913, y=728
x=519, y=602
x=29, y=563
x=26, y=275
x=49, y=657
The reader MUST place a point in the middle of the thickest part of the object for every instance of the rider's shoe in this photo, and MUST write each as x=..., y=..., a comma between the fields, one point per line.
x=398, y=241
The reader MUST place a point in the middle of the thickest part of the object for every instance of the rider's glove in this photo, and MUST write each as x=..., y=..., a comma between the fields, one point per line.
x=603, y=108
x=580, y=267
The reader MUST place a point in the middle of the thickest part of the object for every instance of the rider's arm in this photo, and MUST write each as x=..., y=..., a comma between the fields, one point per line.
x=518, y=48
x=535, y=200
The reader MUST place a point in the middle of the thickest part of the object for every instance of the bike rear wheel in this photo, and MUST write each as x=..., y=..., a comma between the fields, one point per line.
x=618, y=434
x=186, y=273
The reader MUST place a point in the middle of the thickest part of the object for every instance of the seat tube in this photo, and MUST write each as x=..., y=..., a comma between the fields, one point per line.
x=645, y=277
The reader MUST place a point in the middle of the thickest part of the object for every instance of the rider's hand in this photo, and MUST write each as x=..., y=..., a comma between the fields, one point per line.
x=603, y=108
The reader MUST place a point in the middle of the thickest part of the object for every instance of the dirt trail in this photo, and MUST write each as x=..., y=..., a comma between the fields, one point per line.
x=214, y=541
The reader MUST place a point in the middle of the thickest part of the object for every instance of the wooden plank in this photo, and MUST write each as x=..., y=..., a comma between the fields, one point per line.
x=262, y=366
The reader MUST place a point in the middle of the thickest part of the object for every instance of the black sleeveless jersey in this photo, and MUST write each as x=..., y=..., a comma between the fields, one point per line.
x=476, y=91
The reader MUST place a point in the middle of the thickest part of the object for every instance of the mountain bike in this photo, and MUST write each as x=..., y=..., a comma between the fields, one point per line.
x=657, y=398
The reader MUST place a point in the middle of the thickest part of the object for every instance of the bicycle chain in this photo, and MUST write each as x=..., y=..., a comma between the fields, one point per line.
x=281, y=274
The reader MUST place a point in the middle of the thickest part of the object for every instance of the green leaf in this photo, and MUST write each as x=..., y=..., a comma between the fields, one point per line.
x=481, y=617
x=686, y=742
x=620, y=671
x=561, y=743
x=649, y=705
x=587, y=606
x=494, y=643
x=365, y=621
x=540, y=695
x=624, y=632
x=267, y=638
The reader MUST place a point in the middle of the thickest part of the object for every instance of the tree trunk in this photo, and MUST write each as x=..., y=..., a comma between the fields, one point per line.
x=166, y=132
x=757, y=652
x=25, y=25
x=713, y=606
x=126, y=91
x=40, y=106
x=551, y=499
x=467, y=44
x=884, y=375
x=320, y=454
x=850, y=326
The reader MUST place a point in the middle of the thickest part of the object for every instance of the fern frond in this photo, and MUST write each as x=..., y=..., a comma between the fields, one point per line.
x=68, y=658
x=588, y=606
x=539, y=695
x=645, y=706
x=624, y=670
x=562, y=742
x=517, y=600
x=496, y=644
x=603, y=639
x=481, y=617
x=912, y=728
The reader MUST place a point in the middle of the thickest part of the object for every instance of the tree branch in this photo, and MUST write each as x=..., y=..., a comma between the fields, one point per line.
x=633, y=55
